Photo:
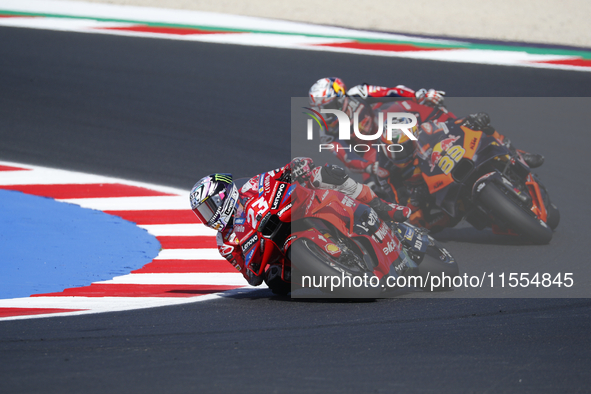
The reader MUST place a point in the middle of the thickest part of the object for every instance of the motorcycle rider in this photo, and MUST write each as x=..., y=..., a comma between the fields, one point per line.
x=215, y=200
x=331, y=93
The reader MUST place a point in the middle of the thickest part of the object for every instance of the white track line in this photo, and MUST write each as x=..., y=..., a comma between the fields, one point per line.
x=189, y=254
x=82, y=17
x=132, y=203
x=109, y=304
x=194, y=18
x=202, y=278
x=179, y=230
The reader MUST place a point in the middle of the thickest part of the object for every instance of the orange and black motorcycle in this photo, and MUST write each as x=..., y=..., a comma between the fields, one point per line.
x=470, y=174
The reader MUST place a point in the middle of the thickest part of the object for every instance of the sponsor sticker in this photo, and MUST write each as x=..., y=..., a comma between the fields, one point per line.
x=262, y=184
x=288, y=240
x=332, y=248
x=278, y=196
x=249, y=243
x=285, y=209
x=409, y=233
x=390, y=247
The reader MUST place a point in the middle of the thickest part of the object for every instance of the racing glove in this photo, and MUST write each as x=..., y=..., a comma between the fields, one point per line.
x=301, y=168
x=390, y=212
x=479, y=121
x=430, y=97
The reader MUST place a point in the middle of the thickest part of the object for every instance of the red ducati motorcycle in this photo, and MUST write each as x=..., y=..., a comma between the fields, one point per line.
x=324, y=239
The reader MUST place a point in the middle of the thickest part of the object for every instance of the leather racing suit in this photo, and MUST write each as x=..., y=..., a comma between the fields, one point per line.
x=300, y=170
x=358, y=101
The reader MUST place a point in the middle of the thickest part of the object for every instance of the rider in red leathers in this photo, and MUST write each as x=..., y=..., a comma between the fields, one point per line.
x=215, y=200
x=331, y=93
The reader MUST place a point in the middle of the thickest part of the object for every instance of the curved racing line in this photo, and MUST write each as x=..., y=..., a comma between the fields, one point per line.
x=188, y=268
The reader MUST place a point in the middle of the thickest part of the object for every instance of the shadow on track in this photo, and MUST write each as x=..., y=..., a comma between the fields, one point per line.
x=482, y=237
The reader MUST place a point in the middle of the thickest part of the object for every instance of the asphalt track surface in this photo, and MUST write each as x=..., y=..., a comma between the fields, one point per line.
x=169, y=112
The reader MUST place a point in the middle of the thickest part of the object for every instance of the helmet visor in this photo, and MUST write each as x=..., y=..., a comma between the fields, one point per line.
x=207, y=210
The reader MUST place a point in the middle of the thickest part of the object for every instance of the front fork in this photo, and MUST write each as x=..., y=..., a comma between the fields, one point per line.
x=538, y=205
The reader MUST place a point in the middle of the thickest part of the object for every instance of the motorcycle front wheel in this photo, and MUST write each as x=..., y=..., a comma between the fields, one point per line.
x=553, y=216
x=321, y=270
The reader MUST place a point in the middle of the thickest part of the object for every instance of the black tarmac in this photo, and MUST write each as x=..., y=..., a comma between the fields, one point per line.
x=170, y=112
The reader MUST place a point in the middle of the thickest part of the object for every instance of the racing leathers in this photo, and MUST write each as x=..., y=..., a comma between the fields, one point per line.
x=300, y=170
x=396, y=169
x=358, y=101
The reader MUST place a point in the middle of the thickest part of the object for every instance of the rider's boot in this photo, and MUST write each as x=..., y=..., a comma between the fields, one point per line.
x=481, y=121
x=533, y=160
x=273, y=279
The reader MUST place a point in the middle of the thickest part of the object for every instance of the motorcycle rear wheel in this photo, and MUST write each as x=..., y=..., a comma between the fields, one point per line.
x=311, y=260
x=503, y=207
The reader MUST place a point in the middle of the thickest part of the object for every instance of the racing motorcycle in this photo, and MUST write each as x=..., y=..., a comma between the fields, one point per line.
x=323, y=234
x=470, y=174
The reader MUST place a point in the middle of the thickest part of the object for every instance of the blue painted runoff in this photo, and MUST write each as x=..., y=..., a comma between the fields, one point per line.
x=48, y=246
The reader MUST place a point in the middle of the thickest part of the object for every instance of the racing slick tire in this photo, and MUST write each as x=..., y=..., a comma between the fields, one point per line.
x=553, y=216
x=309, y=259
x=501, y=206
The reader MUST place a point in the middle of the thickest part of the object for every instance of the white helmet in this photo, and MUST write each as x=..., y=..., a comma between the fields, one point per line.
x=325, y=90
